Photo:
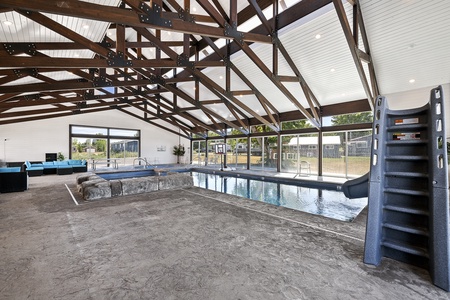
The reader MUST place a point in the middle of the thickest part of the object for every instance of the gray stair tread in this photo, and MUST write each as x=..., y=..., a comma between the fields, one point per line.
x=407, y=127
x=407, y=174
x=406, y=142
x=409, y=229
x=405, y=248
x=406, y=192
x=407, y=157
x=410, y=210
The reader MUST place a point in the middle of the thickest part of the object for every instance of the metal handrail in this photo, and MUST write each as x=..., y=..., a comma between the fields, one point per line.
x=143, y=159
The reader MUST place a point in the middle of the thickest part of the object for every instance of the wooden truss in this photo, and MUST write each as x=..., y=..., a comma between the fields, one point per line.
x=119, y=76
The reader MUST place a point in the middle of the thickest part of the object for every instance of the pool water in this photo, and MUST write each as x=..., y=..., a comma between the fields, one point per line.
x=327, y=203
x=128, y=174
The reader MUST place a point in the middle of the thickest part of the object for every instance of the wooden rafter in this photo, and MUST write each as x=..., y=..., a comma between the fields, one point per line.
x=357, y=54
x=103, y=13
x=246, y=49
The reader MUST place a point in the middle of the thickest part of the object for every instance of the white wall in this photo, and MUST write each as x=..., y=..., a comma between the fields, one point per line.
x=419, y=97
x=31, y=140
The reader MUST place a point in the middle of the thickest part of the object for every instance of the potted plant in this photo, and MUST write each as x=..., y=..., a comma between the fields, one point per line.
x=60, y=156
x=178, y=150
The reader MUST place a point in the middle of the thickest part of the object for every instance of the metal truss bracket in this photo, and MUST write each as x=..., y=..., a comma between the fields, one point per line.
x=185, y=15
x=82, y=104
x=124, y=100
x=89, y=95
x=228, y=95
x=32, y=97
x=25, y=72
x=76, y=111
x=275, y=40
x=227, y=62
x=104, y=43
x=157, y=79
x=101, y=82
x=12, y=49
x=118, y=60
x=231, y=31
x=153, y=15
x=183, y=61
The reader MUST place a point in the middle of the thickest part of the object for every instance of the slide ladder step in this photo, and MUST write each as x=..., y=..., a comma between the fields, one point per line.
x=406, y=192
x=407, y=174
x=406, y=142
x=407, y=127
x=407, y=248
x=409, y=210
x=409, y=229
x=407, y=157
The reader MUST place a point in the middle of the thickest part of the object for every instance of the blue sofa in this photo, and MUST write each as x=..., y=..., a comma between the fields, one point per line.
x=64, y=167
x=13, y=179
x=34, y=169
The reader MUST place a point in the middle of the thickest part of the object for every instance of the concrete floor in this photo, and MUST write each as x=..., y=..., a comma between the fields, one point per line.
x=186, y=244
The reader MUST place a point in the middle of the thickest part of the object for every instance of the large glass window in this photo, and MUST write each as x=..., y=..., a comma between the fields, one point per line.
x=198, y=152
x=359, y=146
x=300, y=154
x=353, y=157
x=333, y=153
x=88, y=142
x=89, y=148
x=213, y=158
x=263, y=153
x=237, y=153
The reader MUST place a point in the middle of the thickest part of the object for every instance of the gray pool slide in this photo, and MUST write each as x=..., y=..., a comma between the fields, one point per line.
x=357, y=188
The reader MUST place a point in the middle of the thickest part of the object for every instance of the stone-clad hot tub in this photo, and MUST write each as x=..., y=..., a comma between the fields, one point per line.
x=94, y=187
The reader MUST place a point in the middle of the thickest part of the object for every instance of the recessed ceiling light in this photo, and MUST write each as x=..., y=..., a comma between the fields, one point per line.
x=412, y=80
x=240, y=95
x=76, y=55
x=332, y=70
x=194, y=9
x=318, y=36
x=221, y=77
x=7, y=23
x=85, y=26
x=343, y=94
x=169, y=33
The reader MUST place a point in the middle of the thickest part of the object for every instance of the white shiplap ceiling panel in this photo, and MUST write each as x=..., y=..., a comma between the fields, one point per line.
x=409, y=40
x=325, y=62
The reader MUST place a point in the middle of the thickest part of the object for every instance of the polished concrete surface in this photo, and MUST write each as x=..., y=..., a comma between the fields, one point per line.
x=185, y=244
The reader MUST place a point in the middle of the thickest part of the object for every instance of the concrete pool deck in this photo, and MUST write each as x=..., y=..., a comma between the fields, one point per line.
x=186, y=244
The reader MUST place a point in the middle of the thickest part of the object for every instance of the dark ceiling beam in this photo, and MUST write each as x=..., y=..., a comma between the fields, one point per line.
x=147, y=34
x=77, y=46
x=246, y=49
x=287, y=17
x=151, y=122
x=58, y=115
x=73, y=108
x=361, y=54
x=278, y=46
x=67, y=63
x=339, y=7
x=174, y=109
x=111, y=14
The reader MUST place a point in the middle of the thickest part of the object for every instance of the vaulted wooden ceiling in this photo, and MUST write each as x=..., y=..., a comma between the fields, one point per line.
x=195, y=66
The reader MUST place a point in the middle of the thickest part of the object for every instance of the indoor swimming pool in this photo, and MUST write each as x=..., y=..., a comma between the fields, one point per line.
x=327, y=203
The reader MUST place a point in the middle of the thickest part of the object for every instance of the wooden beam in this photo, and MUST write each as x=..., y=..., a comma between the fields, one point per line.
x=67, y=63
x=353, y=49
